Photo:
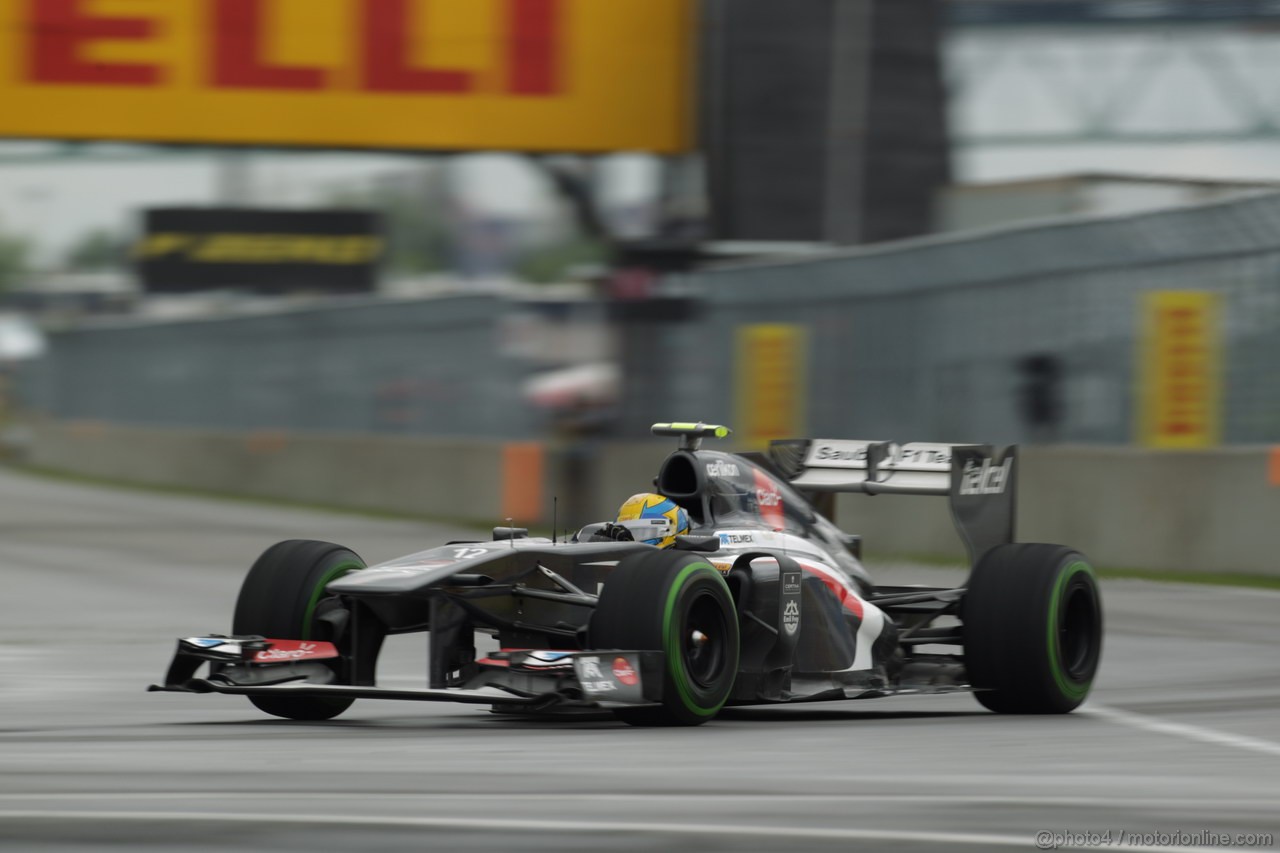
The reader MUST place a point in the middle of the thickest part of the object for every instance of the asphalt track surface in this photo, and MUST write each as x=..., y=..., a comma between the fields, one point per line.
x=1182, y=734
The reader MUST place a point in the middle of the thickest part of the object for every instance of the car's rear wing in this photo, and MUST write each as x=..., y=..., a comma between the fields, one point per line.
x=979, y=479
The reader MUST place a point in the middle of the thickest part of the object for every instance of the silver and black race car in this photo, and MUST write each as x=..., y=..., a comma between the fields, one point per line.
x=764, y=601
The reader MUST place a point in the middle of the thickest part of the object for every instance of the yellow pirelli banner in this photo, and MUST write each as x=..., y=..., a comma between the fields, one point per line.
x=771, y=379
x=535, y=75
x=1180, y=370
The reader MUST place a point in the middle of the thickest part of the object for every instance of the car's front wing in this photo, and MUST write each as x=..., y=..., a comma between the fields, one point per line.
x=257, y=666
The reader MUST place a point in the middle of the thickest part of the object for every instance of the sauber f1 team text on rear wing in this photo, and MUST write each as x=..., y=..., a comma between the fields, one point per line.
x=979, y=479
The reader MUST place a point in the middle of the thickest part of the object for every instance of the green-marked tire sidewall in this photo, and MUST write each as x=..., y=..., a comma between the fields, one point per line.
x=1071, y=688
x=650, y=602
x=673, y=639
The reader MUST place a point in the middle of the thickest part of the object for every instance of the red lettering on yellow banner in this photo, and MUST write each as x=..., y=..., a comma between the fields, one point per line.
x=62, y=31
x=241, y=35
x=533, y=47
x=457, y=75
x=239, y=48
x=387, y=41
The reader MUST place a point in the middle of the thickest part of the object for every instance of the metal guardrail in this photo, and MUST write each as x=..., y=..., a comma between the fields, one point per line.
x=427, y=367
x=919, y=339
x=924, y=338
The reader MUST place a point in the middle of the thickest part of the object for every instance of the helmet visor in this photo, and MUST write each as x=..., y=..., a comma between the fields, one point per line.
x=650, y=531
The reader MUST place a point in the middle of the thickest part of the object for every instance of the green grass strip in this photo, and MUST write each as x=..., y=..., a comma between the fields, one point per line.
x=1240, y=579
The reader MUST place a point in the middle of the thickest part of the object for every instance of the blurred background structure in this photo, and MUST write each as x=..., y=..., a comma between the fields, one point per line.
x=256, y=245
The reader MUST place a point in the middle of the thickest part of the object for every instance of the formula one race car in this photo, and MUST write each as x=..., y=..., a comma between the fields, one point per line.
x=763, y=601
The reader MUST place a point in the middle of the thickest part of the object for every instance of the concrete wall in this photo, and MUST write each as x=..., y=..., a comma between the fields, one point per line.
x=1188, y=511
x=1210, y=511
x=1206, y=511
x=434, y=477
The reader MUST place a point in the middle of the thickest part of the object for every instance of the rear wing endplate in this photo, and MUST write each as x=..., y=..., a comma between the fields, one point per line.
x=980, y=480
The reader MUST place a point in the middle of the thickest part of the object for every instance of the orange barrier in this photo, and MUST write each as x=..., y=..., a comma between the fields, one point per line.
x=522, y=475
x=266, y=441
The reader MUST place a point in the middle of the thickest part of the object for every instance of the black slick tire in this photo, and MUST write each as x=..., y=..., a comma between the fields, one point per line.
x=279, y=599
x=1032, y=629
x=678, y=604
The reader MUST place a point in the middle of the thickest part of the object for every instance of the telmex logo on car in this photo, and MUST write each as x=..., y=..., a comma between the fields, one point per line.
x=548, y=75
x=591, y=678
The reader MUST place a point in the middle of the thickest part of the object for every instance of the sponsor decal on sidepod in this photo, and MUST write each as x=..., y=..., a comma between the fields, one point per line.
x=624, y=672
x=591, y=678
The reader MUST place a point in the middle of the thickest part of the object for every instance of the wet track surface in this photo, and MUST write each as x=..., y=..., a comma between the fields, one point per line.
x=1182, y=734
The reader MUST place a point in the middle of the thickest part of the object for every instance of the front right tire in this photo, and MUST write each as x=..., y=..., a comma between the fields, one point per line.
x=279, y=599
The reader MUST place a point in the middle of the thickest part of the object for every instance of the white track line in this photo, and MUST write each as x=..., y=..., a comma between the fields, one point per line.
x=1185, y=730
x=791, y=833
x=1263, y=803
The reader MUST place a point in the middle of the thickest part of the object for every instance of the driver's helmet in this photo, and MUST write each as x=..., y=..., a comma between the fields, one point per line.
x=653, y=519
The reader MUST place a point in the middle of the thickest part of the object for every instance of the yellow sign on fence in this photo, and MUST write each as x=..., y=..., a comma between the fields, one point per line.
x=1179, y=376
x=771, y=382
x=535, y=75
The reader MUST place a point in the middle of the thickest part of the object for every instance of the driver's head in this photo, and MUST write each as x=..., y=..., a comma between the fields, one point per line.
x=653, y=519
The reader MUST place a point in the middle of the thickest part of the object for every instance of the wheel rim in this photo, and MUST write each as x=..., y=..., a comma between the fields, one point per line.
x=1077, y=633
x=705, y=631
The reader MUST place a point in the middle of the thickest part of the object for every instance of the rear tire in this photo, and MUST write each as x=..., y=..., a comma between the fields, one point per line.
x=657, y=601
x=1032, y=629
x=279, y=598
